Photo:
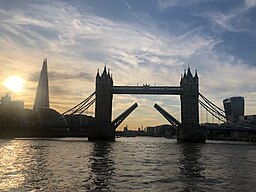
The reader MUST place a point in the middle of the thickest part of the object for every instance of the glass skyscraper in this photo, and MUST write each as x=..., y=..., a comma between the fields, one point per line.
x=234, y=108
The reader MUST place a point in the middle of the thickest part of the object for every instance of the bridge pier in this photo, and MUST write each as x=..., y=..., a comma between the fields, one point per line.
x=190, y=130
x=190, y=134
x=101, y=132
x=103, y=129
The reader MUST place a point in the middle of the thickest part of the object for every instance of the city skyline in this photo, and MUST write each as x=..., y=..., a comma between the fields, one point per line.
x=141, y=43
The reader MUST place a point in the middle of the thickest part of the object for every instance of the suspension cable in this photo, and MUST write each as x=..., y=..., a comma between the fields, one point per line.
x=208, y=101
x=207, y=109
x=213, y=107
x=220, y=113
x=79, y=104
x=87, y=106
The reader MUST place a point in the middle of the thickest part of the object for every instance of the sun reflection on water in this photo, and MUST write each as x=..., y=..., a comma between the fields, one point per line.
x=10, y=166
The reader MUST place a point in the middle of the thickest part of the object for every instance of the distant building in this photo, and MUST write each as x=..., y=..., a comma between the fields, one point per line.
x=161, y=131
x=11, y=112
x=234, y=108
x=7, y=105
x=126, y=128
x=249, y=119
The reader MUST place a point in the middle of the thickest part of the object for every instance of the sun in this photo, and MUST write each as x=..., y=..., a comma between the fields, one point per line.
x=14, y=83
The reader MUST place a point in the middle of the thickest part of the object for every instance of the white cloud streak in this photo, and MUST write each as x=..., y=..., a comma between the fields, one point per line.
x=76, y=40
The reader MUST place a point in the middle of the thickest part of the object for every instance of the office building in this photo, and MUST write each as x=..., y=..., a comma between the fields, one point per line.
x=234, y=108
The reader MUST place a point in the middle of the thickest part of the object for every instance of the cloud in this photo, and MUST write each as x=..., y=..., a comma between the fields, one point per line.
x=250, y=3
x=237, y=19
x=54, y=75
x=164, y=4
x=128, y=5
x=58, y=91
x=75, y=75
x=77, y=41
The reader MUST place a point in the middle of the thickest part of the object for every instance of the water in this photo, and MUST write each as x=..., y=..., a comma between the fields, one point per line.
x=129, y=164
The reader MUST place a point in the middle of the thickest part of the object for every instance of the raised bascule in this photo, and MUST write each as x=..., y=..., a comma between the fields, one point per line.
x=188, y=130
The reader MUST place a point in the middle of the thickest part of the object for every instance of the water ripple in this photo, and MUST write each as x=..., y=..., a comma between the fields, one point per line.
x=129, y=164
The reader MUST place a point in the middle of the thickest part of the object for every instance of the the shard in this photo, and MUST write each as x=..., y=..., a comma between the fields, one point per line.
x=42, y=93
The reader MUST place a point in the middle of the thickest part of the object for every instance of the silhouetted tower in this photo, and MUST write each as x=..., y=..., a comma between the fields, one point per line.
x=190, y=130
x=103, y=129
x=42, y=93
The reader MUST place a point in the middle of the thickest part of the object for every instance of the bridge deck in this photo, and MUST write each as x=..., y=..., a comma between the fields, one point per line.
x=155, y=90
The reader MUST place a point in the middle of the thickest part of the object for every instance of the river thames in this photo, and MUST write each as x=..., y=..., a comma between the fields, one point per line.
x=129, y=164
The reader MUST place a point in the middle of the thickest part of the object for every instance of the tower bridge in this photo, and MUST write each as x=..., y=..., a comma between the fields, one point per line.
x=103, y=127
x=189, y=129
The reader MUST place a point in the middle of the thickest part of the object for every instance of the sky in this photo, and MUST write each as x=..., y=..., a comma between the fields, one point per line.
x=145, y=41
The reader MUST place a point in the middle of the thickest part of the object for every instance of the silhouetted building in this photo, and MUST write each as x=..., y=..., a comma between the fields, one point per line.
x=48, y=116
x=8, y=105
x=249, y=119
x=161, y=131
x=42, y=93
x=234, y=108
x=11, y=112
x=125, y=128
x=44, y=115
x=79, y=120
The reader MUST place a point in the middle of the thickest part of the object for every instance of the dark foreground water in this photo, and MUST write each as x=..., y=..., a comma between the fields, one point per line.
x=129, y=164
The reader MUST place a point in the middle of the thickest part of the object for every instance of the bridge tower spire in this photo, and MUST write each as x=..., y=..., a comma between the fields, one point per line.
x=103, y=129
x=190, y=130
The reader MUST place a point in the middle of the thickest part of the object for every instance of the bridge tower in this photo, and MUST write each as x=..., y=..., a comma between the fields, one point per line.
x=103, y=129
x=190, y=130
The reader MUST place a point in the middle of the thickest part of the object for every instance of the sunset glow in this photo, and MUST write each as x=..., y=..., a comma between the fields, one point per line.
x=142, y=42
x=14, y=83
